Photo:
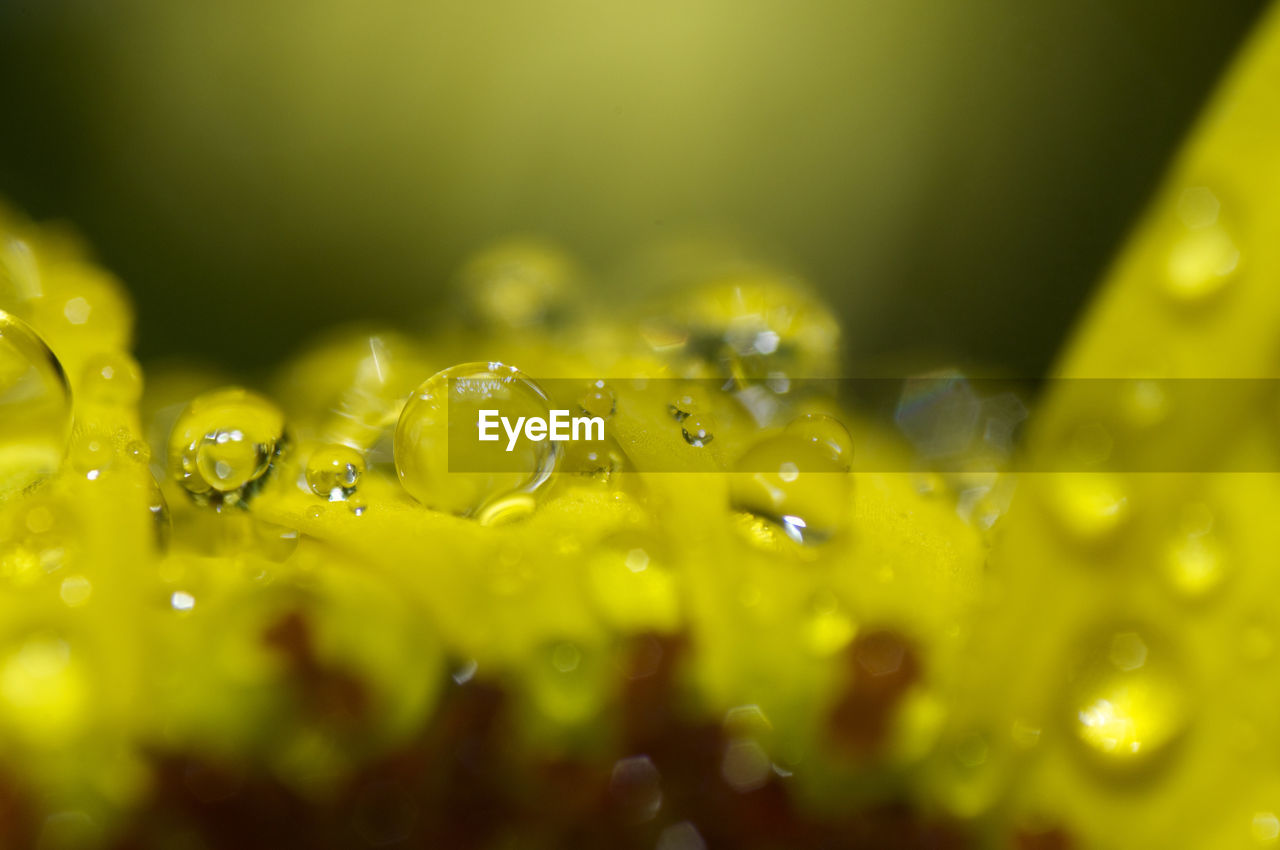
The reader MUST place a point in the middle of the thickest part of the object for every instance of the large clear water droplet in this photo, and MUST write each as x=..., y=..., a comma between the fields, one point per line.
x=35, y=407
x=439, y=457
x=794, y=485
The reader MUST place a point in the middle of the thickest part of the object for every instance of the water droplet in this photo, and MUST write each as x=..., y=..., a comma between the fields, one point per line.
x=35, y=407
x=333, y=471
x=160, y=519
x=1145, y=403
x=438, y=457
x=224, y=444
x=696, y=431
x=113, y=379
x=91, y=453
x=756, y=326
x=795, y=485
x=599, y=461
x=1089, y=506
x=599, y=400
x=275, y=542
x=827, y=433
x=519, y=283
x=1194, y=561
x=1203, y=257
x=180, y=600
x=138, y=451
x=1128, y=699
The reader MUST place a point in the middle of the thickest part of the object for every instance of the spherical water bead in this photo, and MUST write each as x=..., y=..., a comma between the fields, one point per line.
x=1091, y=507
x=1194, y=561
x=599, y=400
x=690, y=409
x=794, y=485
x=439, y=457
x=112, y=379
x=827, y=433
x=519, y=283
x=334, y=471
x=35, y=407
x=760, y=323
x=599, y=461
x=696, y=431
x=224, y=444
x=1128, y=699
x=92, y=452
x=1204, y=256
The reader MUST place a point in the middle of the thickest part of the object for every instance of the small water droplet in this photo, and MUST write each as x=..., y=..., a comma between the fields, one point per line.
x=1194, y=561
x=35, y=407
x=224, y=444
x=696, y=431
x=1128, y=699
x=334, y=471
x=112, y=379
x=1090, y=506
x=1204, y=256
x=91, y=453
x=439, y=458
x=519, y=283
x=599, y=400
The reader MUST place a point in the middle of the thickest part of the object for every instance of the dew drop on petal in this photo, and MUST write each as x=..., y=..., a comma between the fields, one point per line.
x=224, y=444
x=796, y=486
x=35, y=407
x=439, y=458
x=1128, y=698
x=334, y=471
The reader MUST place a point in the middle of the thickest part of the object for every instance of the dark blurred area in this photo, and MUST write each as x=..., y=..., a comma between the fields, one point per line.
x=954, y=176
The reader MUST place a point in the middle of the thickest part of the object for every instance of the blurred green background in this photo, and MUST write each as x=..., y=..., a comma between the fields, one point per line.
x=954, y=175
